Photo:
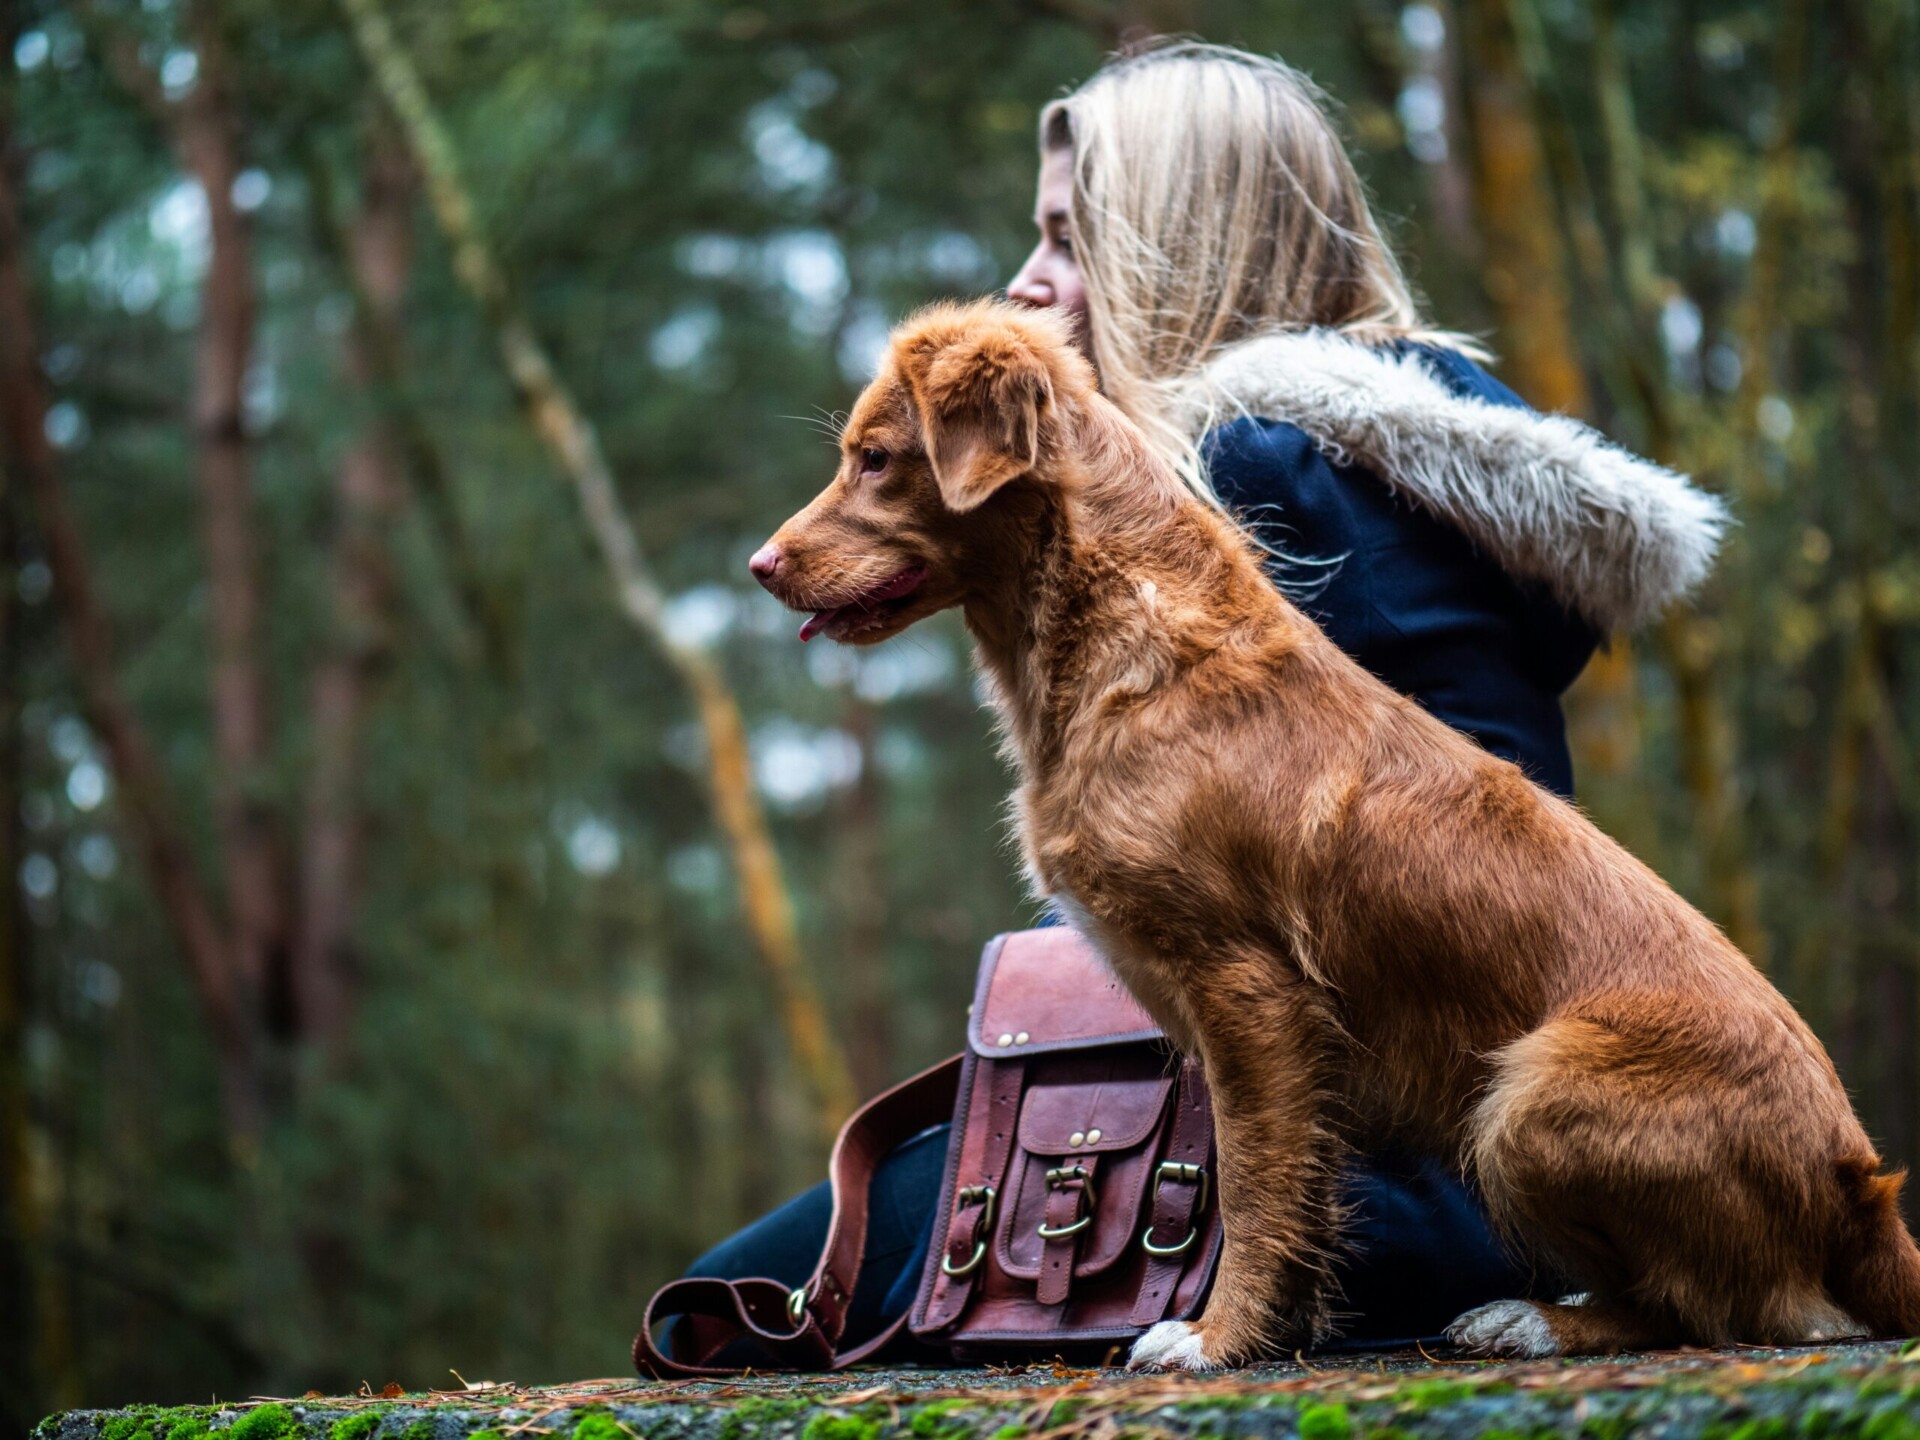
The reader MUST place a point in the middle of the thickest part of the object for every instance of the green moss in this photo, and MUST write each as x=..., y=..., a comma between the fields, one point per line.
x=358, y=1426
x=1616, y=1426
x=1892, y=1423
x=934, y=1420
x=839, y=1425
x=1012, y=1432
x=129, y=1427
x=1065, y=1412
x=1425, y=1394
x=418, y=1430
x=757, y=1411
x=1325, y=1422
x=268, y=1422
x=597, y=1424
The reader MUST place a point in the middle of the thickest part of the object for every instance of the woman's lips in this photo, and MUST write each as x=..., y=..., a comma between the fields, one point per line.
x=900, y=586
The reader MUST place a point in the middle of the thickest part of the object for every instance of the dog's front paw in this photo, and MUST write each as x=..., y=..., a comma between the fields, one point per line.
x=1175, y=1345
x=1506, y=1329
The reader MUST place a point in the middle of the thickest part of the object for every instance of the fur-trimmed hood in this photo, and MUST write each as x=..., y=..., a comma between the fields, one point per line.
x=1614, y=537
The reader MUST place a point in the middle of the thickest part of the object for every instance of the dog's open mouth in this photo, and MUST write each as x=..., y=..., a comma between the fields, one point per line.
x=868, y=609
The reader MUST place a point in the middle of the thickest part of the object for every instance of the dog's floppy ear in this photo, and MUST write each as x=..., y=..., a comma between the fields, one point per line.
x=982, y=392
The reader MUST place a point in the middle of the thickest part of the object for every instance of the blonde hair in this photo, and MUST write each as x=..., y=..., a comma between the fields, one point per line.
x=1213, y=201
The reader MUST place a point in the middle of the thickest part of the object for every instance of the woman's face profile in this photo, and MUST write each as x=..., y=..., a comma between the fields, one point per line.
x=1051, y=277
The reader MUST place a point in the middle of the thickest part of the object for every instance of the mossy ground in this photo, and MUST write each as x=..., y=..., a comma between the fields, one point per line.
x=1868, y=1392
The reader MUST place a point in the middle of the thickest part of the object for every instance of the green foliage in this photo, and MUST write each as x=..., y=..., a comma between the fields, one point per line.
x=359, y=1426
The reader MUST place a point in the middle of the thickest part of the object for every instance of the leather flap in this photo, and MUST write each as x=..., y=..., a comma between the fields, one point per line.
x=1065, y=1120
x=1048, y=989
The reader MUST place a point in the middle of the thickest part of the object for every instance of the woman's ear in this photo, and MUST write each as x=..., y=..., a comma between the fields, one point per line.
x=983, y=390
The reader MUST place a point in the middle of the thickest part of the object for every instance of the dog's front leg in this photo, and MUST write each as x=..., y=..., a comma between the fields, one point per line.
x=1266, y=1040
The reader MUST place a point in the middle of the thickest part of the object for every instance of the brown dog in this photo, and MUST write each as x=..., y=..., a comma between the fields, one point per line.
x=1367, y=927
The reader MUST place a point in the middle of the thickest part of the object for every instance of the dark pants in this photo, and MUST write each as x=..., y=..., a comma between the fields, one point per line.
x=1416, y=1252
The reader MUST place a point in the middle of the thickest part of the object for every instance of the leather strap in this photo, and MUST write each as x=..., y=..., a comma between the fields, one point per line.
x=1176, y=1199
x=973, y=1211
x=802, y=1333
x=1069, y=1209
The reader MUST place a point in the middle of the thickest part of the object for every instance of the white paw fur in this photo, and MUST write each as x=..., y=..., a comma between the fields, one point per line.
x=1170, y=1345
x=1512, y=1329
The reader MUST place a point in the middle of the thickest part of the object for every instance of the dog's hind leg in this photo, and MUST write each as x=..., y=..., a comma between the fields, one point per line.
x=1267, y=1046
x=1530, y=1330
x=1681, y=1191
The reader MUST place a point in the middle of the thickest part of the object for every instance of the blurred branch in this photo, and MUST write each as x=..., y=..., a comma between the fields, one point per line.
x=378, y=338
x=558, y=419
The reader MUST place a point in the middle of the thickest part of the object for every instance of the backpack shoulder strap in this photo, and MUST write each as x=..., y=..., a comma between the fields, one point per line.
x=801, y=1329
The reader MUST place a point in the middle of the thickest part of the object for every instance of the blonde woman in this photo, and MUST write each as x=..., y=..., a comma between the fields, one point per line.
x=1201, y=223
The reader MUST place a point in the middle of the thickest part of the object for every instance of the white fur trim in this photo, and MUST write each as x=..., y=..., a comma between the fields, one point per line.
x=1612, y=536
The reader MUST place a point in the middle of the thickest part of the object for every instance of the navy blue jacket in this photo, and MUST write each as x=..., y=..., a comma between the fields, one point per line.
x=1404, y=592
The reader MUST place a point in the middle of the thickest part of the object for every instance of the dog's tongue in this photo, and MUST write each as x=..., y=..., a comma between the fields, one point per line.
x=901, y=584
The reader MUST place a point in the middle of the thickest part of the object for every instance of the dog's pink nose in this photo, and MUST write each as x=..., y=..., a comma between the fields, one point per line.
x=765, y=561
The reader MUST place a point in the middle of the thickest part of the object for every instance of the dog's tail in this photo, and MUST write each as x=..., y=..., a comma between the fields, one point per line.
x=1874, y=1270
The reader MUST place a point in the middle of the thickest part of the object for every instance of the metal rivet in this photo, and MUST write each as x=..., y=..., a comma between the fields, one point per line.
x=1076, y=1138
x=1004, y=1040
x=1092, y=1136
x=1021, y=1038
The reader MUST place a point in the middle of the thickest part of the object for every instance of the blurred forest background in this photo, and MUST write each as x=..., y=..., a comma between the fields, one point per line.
x=442, y=894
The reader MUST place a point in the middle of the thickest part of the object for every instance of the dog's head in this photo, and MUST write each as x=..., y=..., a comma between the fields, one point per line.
x=967, y=411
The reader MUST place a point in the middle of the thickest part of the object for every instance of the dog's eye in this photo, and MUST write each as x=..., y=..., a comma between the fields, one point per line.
x=872, y=462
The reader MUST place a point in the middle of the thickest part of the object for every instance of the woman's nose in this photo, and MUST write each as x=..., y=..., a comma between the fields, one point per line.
x=1029, y=289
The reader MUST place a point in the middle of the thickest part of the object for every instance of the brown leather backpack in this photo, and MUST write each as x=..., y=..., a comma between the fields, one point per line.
x=1077, y=1197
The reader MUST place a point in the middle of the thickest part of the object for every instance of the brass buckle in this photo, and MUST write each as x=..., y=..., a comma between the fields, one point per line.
x=1186, y=1174
x=982, y=1228
x=1059, y=1177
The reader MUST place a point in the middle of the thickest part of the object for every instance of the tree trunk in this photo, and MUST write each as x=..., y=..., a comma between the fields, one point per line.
x=25, y=1385
x=206, y=135
x=1525, y=265
x=367, y=495
x=140, y=785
